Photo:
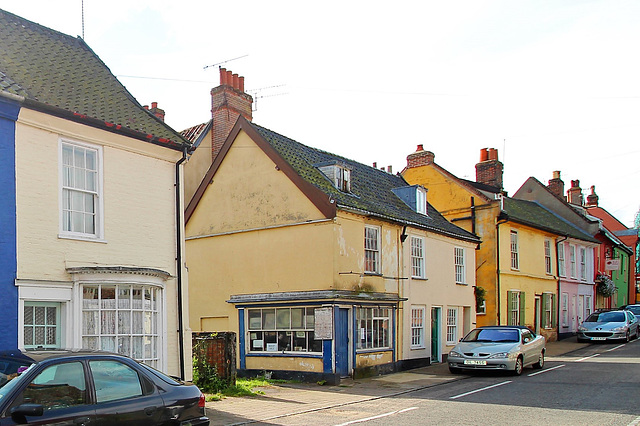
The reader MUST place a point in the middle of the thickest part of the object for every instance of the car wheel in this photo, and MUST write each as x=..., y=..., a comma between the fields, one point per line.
x=455, y=370
x=627, y=338
x=519, y=366
x=540, y=362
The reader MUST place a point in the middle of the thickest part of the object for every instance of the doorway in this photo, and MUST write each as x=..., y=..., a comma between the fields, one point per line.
x=435, y=334
x=537, y=314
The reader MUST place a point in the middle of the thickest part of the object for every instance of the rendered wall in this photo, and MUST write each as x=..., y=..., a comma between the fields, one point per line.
x=9, y=298
x=196, y=167
x=139, y=208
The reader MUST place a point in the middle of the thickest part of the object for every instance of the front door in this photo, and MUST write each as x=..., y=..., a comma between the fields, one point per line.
x=342, y=342
x=537, y=314
x=435, y=334
x=574, y=317
x=580, y=310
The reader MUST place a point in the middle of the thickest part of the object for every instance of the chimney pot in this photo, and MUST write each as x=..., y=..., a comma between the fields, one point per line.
x=484, y=154
x=420, y=148
x=154, y=105
x=375, y=164
x=236, y=84
x=493, y=154
x=223, y=76
x=389, y=169
x=229, y=78
x=556, y=174
x=241, y=82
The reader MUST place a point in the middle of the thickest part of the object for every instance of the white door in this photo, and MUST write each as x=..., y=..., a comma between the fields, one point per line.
x=573, y=315
x=580, y=309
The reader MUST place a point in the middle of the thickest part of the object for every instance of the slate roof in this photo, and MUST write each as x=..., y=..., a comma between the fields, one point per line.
x=371, y=189
x=61, y=75
x=534, y=214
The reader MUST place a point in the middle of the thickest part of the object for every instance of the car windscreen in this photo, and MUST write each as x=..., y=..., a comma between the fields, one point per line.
x=616, y=316
x=493, y=335
x=10, y=367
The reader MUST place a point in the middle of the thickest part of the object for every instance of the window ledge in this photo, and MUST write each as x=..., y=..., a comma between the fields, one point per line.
x=373, y=274
x=287, y=354
x=82, y=238
x=372, y=350
x=418, y=348
x=420, y=278
x=462, y=284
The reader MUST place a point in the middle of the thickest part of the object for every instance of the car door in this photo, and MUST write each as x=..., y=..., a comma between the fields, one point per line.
x=528, y=348
x=123, y=395
x=57, y=395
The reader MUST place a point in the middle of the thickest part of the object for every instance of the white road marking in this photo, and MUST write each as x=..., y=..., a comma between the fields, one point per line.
x=587, y=357
x=545, y=370
x=617, y=347
x=378, y=416
x=480, y=390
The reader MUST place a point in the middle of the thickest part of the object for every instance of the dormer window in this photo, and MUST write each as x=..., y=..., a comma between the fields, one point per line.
x=421, y=200
x=414, y=196
x=339, y=174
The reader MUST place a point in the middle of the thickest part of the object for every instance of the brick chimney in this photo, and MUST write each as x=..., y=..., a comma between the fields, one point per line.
x=156, y=111
x=489, y=169
x=574, y=194
x=228, y=102
x=556, y=185
x=592, y=199
x=420, y=158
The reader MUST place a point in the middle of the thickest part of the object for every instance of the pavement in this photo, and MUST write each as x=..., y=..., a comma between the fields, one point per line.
x=295, y=398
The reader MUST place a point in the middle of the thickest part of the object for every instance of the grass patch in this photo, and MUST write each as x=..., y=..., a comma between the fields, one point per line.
x=245, y=387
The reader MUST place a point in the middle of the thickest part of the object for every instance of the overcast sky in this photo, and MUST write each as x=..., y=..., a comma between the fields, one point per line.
x=553, y=85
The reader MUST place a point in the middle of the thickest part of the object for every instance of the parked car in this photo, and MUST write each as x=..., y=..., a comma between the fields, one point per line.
x=501, y=348
x=96, y=388
x=609, y=325
x=633, y=308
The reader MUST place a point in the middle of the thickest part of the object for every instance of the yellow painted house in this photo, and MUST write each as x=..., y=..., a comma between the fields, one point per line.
x=323, y=267
x=517, y=260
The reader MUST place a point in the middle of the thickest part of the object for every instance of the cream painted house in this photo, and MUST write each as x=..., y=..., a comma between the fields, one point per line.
x=91, y=207
x=324, y=267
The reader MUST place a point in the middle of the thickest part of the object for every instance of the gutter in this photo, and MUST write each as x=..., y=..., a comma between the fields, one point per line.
x=179, y=224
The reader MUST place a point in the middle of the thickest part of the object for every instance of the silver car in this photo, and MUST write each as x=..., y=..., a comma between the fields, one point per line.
x=608, y=325
x=501, y=348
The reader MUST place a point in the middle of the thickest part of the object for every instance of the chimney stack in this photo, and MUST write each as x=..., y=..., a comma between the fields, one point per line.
x=420, y=158
x=489, y=169
x=592, y=199
x=574, y=194
x=556, y=185
x=156, y=111
x=228, y=102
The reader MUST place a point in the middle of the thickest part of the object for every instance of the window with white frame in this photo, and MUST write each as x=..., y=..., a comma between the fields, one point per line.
x=372, y=249
x=481, y=308
x=547, y=305
x=572, y=261
x=41, y=325
x=587, y=306
x=417, y=257
x=374, y=330
x=123, y=318
x=459, y=265
x=417, y=327
x=547, y=256
x=421, y=200
x=561, y=264
x=282, y=329
x=583, y=264
x=452, y=326
x=343, y=179
x=515, y=263
x=80, y=191
x=565, y=309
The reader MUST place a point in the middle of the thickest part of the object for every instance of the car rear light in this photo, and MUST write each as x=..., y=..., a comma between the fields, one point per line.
x=201, y=401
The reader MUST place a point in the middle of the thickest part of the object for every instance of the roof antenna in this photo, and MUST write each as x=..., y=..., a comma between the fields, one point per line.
x=83, y=19
x=223, y=62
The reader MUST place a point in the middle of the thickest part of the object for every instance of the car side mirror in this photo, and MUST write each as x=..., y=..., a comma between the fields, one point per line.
x=18, y=413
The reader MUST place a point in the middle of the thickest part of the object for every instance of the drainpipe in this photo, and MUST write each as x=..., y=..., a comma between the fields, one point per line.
x=179, y=224
x=500, y=221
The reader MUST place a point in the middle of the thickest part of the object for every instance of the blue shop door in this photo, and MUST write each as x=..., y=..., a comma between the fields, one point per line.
x=342, y=342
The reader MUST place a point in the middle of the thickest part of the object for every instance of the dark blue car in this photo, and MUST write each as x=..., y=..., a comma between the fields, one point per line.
x=92, y=388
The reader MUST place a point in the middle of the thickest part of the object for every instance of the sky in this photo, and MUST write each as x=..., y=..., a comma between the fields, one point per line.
x=553, y=85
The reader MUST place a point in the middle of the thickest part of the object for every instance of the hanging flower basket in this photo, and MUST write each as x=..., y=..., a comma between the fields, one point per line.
x=480, y=296
x=604, y=285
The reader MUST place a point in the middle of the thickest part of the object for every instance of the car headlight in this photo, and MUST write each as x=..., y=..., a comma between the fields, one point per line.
x=455, y=354
x=500, y=355
x=618, y=329
x=581, y=328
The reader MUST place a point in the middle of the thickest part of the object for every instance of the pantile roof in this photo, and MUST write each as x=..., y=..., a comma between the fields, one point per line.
x=61, y=75
x=371, y=189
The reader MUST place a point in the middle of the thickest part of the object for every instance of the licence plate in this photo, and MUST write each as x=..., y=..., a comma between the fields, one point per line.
x=474, y=362
x=598, y=338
